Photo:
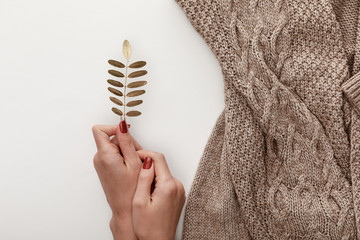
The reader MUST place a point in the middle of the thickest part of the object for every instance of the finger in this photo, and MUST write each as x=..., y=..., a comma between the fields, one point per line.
x=126, y=143
x=114, y=141
x=142, y=194
x=102, y=134
x=160, y=166
x=136, y=143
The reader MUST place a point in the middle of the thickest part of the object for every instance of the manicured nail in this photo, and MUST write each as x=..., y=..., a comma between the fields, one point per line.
x=128, y=125
x=123, y=126
x=147, y=163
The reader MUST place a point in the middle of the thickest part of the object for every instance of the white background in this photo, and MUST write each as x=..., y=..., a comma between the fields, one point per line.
x=53, y=72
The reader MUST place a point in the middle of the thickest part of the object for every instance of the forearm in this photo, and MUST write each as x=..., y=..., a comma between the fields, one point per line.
x=122, y=228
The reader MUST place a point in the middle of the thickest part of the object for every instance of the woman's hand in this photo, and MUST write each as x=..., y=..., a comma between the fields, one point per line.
x=118, y=172
x=156, y=214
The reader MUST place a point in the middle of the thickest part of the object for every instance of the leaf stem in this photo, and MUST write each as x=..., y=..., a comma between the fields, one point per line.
x=126, y=69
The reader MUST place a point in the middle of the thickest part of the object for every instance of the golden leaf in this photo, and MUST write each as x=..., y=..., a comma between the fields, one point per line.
x=134, y=103
x=137, y=64
x=116, y=101
x=116, y=63
x=133, y=113
x=115, y=91
x=135, y=93
x=127, y=50
x=136, y=84
x=116, y=73
x=117, y=111
x=137, y=74
x=115, y=83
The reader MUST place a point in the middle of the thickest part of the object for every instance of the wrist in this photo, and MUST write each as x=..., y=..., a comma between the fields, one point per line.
x=122, y=228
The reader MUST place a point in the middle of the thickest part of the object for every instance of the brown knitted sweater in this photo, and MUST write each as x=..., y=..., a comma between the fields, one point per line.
x=283, y=160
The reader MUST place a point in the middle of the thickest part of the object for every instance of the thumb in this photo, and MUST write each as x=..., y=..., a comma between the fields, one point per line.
x=126, y=145
x=145, y=180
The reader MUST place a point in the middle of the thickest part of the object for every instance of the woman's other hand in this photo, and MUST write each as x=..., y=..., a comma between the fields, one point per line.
x=156, y=214
x=118, y=165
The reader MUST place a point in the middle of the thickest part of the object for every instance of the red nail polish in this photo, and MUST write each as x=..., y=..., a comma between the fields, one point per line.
x=128, y=125
x=123, y=126
x=147, y=163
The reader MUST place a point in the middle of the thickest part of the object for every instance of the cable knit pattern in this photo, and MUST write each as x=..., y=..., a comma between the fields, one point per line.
x=281, y=147
x=355, y=129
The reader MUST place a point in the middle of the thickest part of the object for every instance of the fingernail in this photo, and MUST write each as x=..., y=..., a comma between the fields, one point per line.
x=123, y=126
x=147, y=163
x=128, y=125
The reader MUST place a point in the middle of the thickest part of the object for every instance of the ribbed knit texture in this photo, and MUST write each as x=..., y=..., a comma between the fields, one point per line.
x=283, y=160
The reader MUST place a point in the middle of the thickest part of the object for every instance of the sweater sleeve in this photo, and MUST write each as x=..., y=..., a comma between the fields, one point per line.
x=246, y=156
x=208, y=19
x=351, y=87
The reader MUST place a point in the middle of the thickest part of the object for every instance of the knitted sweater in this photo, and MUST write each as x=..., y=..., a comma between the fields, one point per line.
x=283, y=160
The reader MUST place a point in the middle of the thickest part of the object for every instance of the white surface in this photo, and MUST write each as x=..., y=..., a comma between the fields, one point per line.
x=53, y=71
